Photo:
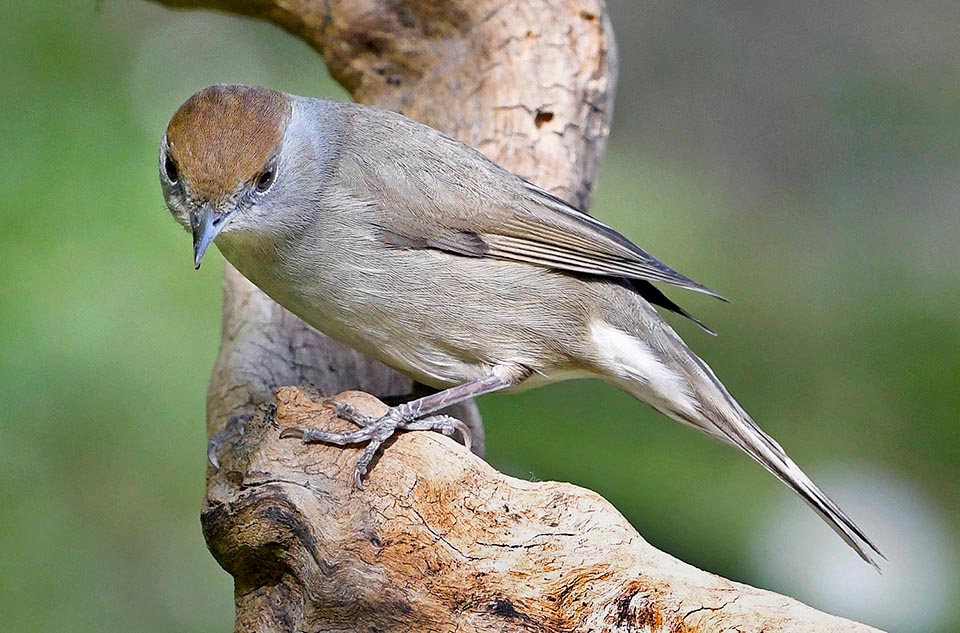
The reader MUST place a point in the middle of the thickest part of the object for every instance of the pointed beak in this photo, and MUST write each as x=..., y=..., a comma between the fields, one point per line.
x=206, y=224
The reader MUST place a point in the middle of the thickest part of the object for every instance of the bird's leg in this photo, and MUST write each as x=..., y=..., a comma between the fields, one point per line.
x=410, y=416
x=417, y=391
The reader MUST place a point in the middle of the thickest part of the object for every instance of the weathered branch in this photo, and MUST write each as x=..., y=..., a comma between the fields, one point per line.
x=438, y=541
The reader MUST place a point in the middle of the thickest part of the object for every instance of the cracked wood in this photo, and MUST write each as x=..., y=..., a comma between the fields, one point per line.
x=440, y=541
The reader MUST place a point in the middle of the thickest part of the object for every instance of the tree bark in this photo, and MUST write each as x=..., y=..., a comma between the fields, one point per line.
x=438, y=541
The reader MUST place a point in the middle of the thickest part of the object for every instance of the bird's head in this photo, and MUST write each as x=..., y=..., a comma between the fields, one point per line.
x=231, y=164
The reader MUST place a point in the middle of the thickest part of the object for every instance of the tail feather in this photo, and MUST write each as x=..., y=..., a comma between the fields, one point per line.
x=738, y=428
x=653, y=364
x=764, y=449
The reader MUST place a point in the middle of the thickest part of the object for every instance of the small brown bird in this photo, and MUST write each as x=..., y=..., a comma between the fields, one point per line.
x=418, y=251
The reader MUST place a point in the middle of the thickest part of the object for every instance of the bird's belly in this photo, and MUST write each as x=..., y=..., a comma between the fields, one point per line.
x=392, y=332
x=420, y=353
x=434, y=319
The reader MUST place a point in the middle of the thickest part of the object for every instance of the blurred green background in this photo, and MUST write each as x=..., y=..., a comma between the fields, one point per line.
x=803, y=159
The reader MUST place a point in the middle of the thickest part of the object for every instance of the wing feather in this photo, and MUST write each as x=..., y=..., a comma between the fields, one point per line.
x=556, y=234
x=436, y=193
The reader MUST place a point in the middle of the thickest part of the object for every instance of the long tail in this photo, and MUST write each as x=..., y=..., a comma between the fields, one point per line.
x=740, y=430
x=670, y=377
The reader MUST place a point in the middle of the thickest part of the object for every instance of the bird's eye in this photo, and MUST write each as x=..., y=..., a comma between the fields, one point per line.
x=170, y=169
x=265, y=180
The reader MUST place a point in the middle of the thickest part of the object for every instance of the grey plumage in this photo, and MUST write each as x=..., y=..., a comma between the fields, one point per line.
x=418, y=251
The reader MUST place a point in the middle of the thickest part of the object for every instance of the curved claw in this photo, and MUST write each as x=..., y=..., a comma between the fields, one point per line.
x=465, y=434
x=212, y=449
x=445, y=424
x=453, y=425
x=292, y=431
x=234, y=427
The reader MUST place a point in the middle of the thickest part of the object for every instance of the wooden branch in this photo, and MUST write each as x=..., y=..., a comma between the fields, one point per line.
x=438, y=541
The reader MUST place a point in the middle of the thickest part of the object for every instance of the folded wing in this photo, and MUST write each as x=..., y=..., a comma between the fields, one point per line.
x=549, y=232
x=483, y=211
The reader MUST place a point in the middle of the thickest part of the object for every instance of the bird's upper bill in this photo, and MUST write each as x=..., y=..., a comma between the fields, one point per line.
x=224, y=135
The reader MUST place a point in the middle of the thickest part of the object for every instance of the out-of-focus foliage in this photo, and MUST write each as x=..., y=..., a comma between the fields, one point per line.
x=803, y=159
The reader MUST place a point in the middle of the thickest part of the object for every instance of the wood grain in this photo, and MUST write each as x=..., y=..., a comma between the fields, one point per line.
x=440, y=541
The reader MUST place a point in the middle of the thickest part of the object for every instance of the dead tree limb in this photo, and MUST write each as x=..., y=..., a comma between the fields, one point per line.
x=438, y=541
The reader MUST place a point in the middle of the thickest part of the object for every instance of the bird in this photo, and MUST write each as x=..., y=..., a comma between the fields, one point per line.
x=417, y=250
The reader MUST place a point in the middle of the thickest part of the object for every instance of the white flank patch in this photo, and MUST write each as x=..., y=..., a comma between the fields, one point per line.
x=632, y=359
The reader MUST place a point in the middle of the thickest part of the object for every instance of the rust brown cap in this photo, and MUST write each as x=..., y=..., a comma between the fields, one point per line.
x=224, y=135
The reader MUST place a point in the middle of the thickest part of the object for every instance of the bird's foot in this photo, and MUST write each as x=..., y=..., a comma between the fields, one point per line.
x=234, y=427
x=375, y=431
